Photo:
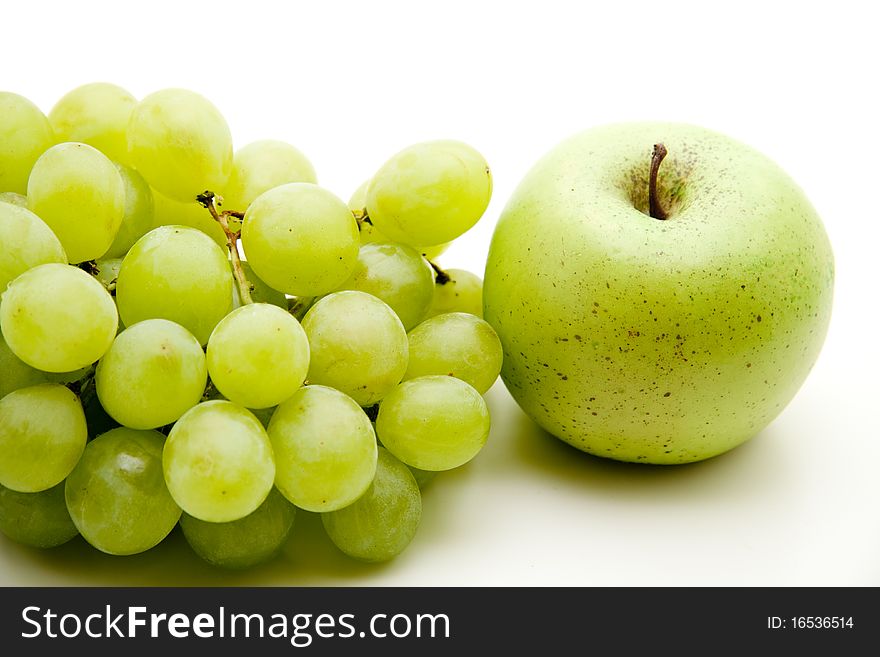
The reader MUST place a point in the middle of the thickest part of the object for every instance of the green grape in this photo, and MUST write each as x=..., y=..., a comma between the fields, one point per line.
x=261, y=166
x=260, y=292
x=384, y=520
x=168, y=212
x=370, y=234
x=36, y=519
x=117, y=495
x=433, y=422
x=14, y=198
x=79, y=193
x=96, y=114
x=396, y=274
x=218, y=462
x=15, y=373
x=358, y=345
x=108, y=271
x=25, y=134
x=180, y=143
x=31, y=242
x=154, y=372
x=325, y=449
x=258, y=355
x=175, y=273
x=459, y=291
x=300, y=239
x=455, y=344
x=42, y=435
x=246, y=542
x=57, y=318
x=429, y=193
x=137, y=217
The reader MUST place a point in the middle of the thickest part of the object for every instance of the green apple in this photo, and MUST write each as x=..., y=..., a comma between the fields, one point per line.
x=657, y=340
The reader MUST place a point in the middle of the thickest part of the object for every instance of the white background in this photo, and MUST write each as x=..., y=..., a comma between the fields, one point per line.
x=351, y=83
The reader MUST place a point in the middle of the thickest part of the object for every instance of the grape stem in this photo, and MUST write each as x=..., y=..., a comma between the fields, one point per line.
x=298, y=306
x=85, y=384
x=440, y=276
x=207, y=200
x=362, y=218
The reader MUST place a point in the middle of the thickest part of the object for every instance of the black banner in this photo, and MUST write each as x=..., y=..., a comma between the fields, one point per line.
x=280, y=621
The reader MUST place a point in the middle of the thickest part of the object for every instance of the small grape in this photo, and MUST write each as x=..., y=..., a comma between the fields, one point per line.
x=42, y=435
x=180, y=144
x=300, y=239
x=433, y=422
x=25, y=134
x=358, y=345
x=96, y=114
x=258, y=356
x=175, y=273
x=429, y=193
x=36, y=519
x=455, y=344
x=384, y=520
x=325, y=449
x=153, y=373
x=261, y=166
x=396, y=274
x=79, y=193
x=34, y=243
x=57, y=318
x=218, y=462
x=168, y=212
x=116, y=494
x=246, y=542
x=458, y=291
x=137, y=218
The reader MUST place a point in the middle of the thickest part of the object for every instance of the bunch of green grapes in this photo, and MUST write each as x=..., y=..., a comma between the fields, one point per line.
x=202, y=336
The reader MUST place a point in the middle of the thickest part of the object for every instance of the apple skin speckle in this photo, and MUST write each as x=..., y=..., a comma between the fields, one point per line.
x=679, y=339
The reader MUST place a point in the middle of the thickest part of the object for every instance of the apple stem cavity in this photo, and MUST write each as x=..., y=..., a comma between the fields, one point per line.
x=656, y=210
x=208, y=201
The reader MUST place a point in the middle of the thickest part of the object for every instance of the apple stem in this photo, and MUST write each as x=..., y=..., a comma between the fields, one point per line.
x=656, y=210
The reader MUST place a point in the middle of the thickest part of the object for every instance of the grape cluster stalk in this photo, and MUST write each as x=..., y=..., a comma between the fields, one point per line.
x=203, y=337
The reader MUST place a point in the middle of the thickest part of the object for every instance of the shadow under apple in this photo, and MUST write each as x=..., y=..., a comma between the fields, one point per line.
x=753, y=470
